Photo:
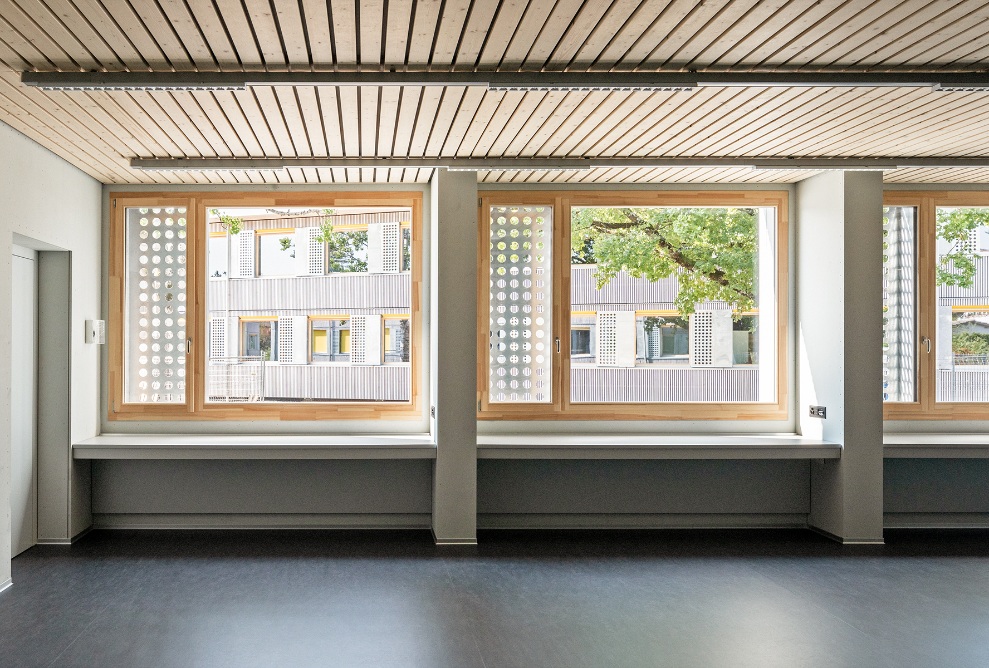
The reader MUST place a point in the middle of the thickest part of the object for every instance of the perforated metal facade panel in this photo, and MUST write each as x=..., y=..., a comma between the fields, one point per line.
x=243, y=262
x=384, y=248
x=521, y=321
x=155, y=305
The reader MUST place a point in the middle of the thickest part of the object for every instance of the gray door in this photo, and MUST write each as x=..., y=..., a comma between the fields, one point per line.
x=23, y=400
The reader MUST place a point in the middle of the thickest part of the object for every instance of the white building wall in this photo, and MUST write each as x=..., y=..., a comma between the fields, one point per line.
x=47, y=204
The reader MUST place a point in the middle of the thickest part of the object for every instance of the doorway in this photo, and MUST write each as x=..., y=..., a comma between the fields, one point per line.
x=24, y=399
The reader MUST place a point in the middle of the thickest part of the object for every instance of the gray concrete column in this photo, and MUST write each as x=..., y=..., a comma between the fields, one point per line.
x=839, y=351
x=453, y=332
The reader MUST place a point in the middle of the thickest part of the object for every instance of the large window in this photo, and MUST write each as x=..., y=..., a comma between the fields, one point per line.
x=291, y=307
x=936, y=305
x=638, y=305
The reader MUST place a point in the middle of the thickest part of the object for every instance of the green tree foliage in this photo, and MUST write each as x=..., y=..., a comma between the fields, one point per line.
x=970, y=343
x=712, y=252
x=232, y=224
x=344, y=250
x=957, y=266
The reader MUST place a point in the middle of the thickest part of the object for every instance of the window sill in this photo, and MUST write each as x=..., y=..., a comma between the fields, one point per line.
x=679, y=446
x=935, y=446
x=215, y=446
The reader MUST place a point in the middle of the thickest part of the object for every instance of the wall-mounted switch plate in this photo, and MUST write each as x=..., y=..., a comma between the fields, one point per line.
x=819, y=412
x=96, y=331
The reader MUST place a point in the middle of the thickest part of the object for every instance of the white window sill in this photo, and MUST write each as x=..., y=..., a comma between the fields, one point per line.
x=678, y=446
x=935, y=446
x=254, y=446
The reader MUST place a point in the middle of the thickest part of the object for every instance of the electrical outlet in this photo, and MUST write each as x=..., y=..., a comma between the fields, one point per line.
x=819, y=412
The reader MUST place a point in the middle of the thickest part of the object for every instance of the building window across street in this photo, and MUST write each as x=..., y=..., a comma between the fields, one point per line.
x=639, y=305
x=305, y=301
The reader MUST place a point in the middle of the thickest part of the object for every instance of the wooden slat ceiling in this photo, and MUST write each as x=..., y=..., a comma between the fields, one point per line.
x=101, y=131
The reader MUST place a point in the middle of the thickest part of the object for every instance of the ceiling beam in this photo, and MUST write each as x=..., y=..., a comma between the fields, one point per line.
x=552, y=164
x=966, y=81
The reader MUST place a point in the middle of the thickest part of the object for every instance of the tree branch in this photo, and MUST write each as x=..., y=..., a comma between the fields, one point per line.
x=666, y=248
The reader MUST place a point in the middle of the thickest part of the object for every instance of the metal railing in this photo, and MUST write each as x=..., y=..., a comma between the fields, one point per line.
x=235, y=379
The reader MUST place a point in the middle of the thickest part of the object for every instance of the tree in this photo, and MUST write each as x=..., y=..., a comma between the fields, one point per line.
x=970, y=343
x=957, y=266
x=712, y=252
x=232, y=224
x=343, y=248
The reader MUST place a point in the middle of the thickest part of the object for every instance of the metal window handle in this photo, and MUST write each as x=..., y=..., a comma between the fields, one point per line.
x=557, y=344
x=927, y=343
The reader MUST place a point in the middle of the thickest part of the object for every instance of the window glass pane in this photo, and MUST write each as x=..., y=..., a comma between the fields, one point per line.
x=276, y=255
x=155, y=305
x=217, y=258
x=899, y=303
x=326, y=316
x=673, y=304
x=521, y=304
x=962, y=277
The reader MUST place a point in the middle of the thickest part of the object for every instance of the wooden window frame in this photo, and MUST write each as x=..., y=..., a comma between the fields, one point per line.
x=926, y=407
x=561, y=408
x=195, y=408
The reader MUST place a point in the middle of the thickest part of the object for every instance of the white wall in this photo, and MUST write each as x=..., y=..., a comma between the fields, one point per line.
x=50, y=205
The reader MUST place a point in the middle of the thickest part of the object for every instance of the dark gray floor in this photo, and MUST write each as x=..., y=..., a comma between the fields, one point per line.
x=520, y=599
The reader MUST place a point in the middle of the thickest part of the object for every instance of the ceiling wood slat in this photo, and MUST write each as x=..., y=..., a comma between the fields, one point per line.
x=604, y=30
x=397, y=30
x=317, y=20
x=529, y=28
x=160, y=31
x=289, y=105
x=370, y=125
x=42, y=30
x=387, y=119
x=273, y=114
x=262, y=21
x=371, y=25
x=349, y=109
x=699, y=53
x=215, y=33
x=429, y=103
x=178, y=17
x=242, y=110
x=241, y=34
x=424, y=24
x=18, y=44
x=444, y=120
x=214, y=116
x=312, y=120
x=292, y=30
x=343, y=18
x=734, y=18
x=448, y=32
x=407, y=109
x=329, y=109
x=468, y=110
x=551, y=33
x=680, y=20
x=482, y=13
x=95, y=15
x=40, y=107
x=912, y=20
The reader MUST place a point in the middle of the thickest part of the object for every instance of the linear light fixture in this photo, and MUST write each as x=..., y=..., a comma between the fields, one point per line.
x=554, y=164
x=501, y=81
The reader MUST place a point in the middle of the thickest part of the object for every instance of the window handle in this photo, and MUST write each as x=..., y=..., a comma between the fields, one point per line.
x=927, y=343
x=557, y=344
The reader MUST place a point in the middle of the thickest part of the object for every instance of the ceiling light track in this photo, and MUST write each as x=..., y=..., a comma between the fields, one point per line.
x=553, y=164
x=504, y=81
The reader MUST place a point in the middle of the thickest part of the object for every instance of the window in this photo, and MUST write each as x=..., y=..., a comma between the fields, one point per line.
x=306, y=306
x=936, y=305
x=668, y=307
